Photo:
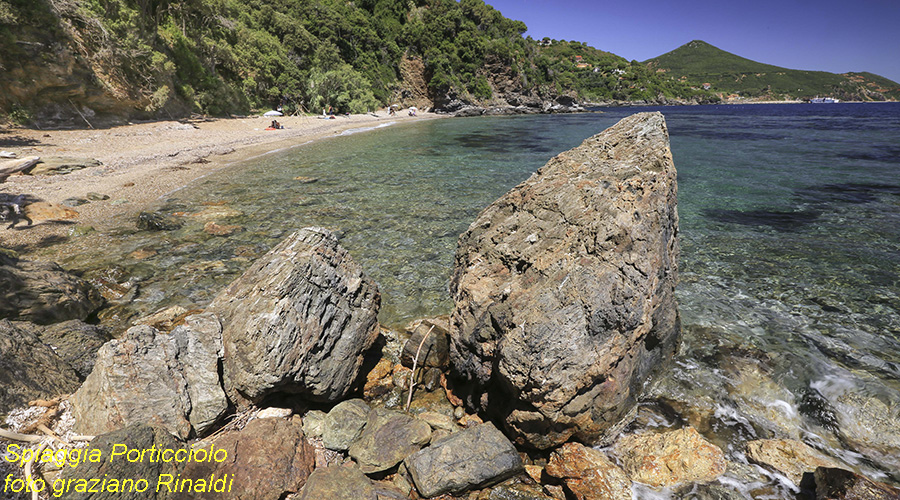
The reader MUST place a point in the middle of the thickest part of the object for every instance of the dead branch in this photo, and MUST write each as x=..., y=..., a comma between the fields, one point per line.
x=8, y=168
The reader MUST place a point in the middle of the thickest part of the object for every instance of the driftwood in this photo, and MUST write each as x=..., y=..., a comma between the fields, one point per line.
x=8, y=168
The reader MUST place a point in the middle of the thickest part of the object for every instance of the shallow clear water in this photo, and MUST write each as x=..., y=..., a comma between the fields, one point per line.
x=790, y=236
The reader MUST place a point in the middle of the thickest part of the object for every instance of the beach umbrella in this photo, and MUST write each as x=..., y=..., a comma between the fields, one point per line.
x=273, y=113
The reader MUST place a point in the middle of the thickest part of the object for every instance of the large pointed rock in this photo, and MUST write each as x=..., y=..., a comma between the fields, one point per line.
x=298, y=321
x=564, y=288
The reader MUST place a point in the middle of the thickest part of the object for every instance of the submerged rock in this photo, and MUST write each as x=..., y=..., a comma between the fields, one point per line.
x=298, y=321
x=468, y=459
x=157, y=222
x=869, y=426
x=791, y=458
x=670, y=458
x=29, y=369
x=564, y=288
x=588, y=474
x=840, y=484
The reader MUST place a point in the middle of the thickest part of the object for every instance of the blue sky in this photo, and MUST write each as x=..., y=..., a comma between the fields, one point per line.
x=826, y=35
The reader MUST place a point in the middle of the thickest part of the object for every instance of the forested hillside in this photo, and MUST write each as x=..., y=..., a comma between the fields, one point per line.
x=698, y=62
x=173, y=57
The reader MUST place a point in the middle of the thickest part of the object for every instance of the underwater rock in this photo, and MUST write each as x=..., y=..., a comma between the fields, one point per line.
x=298, y=321
x=791, y=458
x=564, y=288
x=869, y=426
x=147, y=221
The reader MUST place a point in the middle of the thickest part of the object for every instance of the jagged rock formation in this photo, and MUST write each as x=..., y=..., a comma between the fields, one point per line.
x=171, y=381
x=298, y=321
x=564, y=288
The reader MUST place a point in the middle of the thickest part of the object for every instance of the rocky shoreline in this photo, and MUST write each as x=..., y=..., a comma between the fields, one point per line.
x=546, y=381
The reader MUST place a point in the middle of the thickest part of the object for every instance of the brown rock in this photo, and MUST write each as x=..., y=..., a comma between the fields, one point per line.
x=791, y=458
x=435, y=351
x=379, y=380
x=670, y=458
x=220, y=229
x=44, y=210
x=588, y=473
x=564, y=288
x=143, y=253
x=267, y=459
x=840, y=484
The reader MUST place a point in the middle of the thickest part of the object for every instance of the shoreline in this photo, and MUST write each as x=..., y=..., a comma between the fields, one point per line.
x=143, y=162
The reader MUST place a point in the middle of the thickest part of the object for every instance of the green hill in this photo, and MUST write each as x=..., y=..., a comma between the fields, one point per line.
x=698, y=62
x=164, y=59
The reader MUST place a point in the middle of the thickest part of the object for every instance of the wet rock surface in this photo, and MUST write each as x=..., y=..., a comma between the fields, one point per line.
x=868, y=425
x=43, y=293
x=468, y=459
x=588, y=474
x=564, y=288
x=670, y=458
x=29, y=369
x=298, y=321
x=267, y=459
x=841, y=484
x=791, y=458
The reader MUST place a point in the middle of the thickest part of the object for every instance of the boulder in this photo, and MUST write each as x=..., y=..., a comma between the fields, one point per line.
x=44, y=210
x=670, y=458
x=298, y=321
x=43, y=293
x=146, y=377
x=136, y=436
x=29, y=369
x=588, y=474
x=268, y=459
x=344, y=423
x=469, y=459
x=840, y=484
x=564, y=288
x=789, y=457
x=346, y=483
x=388, y=437
x=435, y=351
x=75, y=341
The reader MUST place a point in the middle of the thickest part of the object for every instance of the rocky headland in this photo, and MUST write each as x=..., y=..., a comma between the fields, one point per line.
x=547, y=380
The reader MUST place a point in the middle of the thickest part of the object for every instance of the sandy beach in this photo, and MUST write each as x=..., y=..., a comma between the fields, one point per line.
x=143, y=162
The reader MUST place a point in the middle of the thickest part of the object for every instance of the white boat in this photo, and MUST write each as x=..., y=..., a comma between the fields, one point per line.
x=823, y=100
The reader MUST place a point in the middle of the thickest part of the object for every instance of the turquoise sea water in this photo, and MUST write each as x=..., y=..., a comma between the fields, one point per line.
x=789, y=226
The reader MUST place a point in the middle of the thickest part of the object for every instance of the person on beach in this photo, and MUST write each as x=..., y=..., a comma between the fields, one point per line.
x=276, y=125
